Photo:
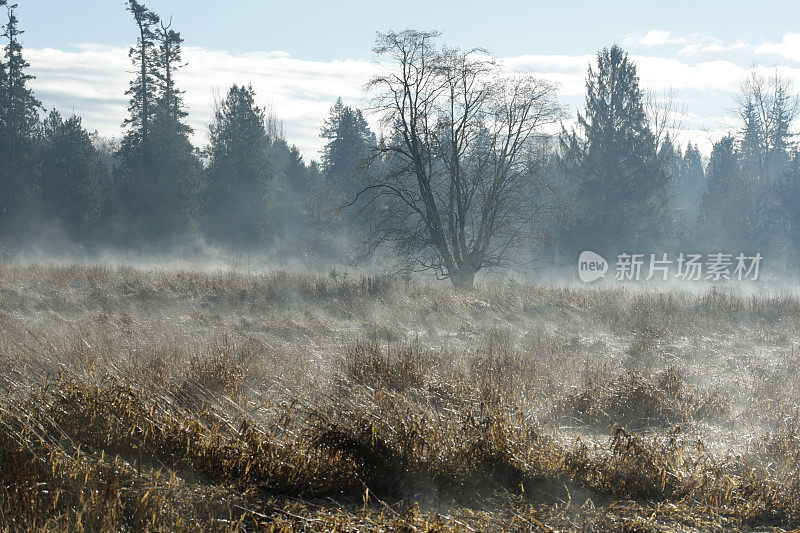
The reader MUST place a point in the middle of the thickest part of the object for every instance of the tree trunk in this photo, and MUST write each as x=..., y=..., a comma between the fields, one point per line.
x=463, y=278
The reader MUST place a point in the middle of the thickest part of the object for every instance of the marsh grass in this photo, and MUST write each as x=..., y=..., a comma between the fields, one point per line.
x=155, y=401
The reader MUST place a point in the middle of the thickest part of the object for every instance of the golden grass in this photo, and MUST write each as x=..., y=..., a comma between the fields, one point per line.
x=153, y=401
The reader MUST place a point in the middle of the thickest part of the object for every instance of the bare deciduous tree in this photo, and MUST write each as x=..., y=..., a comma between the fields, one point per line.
x=664, y=114
x=767, y=107
x=454, y=185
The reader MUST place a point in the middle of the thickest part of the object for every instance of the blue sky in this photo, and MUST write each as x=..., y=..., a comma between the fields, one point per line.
x=301, y=55
x=344, y=29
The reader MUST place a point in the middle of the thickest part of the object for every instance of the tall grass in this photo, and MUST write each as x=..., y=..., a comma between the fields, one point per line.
x=182, y=402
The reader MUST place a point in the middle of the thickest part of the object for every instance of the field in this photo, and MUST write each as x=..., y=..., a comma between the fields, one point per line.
x=184, y=401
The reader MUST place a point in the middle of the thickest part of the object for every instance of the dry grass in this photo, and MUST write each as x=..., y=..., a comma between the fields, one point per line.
x=639, y=401
x=184, y=401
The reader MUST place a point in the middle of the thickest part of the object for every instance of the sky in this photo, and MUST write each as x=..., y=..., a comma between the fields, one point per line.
x=300, y=56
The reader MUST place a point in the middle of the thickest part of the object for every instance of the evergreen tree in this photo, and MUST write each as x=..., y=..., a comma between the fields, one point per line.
x=766, y=109
x=688, y=186
x=19, y=122
x=751, y=149
x=236, y=202
x=621, y=178
x=134, y=177
x=727, y=206
x=168, y=62
x=349, y=141
x=297, y=172
x=159, y=174
x=71, y=175
x=788, y=189
x=142, y=87
x=174, y=161
x=292, y=192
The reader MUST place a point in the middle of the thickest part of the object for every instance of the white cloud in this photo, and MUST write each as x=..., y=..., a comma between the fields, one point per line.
x=713, y=46
x=788, y=48
x=692, y=44
x=659, y=38
x=569, y=72
x=91, y=80
x=653, y=38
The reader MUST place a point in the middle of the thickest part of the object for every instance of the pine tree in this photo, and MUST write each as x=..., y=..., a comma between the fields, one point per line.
x=19, y=121
x=168, y=62
x=159, y=174
x=292, y=193
x=621, y=180
x=751, y=148
x=134, y=178
x=727, y=206
x=236, y=202
x=788, y=189
x=296, y=172
x=174, y=162
x=767, y=109
x=692, y=181
x=687, y=184
x=71, y=175
x=143, y=86
x=349, y=141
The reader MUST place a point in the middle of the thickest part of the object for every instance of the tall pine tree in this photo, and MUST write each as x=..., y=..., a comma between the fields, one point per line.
x=159, y=174
x=687, y=185
x=726, y=211
x=236, y=201
x=175, y=164
x=168, y=61
x=19, y=122
x=349, y=141
x=143, y=86
x=621, y=179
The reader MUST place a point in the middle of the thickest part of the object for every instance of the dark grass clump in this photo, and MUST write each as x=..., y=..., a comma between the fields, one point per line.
x=637, y=400
x=394, y=367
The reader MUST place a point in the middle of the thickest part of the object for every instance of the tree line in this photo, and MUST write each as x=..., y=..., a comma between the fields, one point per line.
x=468, y=171
x=151, y=189
x=633, y=189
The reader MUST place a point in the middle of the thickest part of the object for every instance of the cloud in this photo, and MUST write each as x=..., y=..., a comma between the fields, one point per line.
x=788, y=48
x=659, y=38
x=692, y=44
x=713, y=46
x=653, y=38
x=569, y=72
x=90, y=80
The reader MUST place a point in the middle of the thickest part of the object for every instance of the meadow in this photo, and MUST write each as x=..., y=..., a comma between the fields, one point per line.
x=169, y=400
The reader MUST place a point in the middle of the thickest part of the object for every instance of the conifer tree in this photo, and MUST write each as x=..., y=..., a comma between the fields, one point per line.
x=727, y=205
x=19, y=123
x=621, y=179
x=168, y=62
x=159, y=174
x=71, y=175
x=142, y=87
x=236, y=202
x=349, y=141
